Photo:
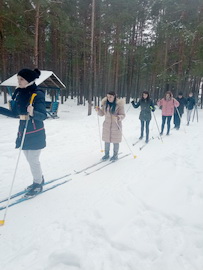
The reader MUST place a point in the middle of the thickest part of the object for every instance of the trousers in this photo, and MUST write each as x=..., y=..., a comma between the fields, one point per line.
x=115, y=148
x=32, y=157
x=147, y=128
x=189, y=113
x=168, y=123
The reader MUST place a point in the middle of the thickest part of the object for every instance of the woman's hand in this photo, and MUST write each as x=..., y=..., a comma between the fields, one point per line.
x=30, y=110
x=96, y=108
x=118, y=118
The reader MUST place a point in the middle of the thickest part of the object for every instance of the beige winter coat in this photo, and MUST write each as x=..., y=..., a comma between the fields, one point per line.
x=112, y=126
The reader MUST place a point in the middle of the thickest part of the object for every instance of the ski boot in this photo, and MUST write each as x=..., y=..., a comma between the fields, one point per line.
x=36, y=189
x=31, y=186
x=114, y=157
x=106, y=156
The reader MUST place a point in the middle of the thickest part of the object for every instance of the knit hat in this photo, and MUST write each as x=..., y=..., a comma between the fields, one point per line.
x=29, y=75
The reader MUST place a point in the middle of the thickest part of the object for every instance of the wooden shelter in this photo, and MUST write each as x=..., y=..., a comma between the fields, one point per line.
x=47, y=81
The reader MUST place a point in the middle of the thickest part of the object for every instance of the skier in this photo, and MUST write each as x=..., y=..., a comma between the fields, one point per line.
x=147, y=106
x=190, y=106
x=113, y=110
x=35, y=138
x=179, y=111
x=167, y=104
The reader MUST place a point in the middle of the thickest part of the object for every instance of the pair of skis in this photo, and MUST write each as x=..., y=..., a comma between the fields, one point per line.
x=143, y=145
x=95, y=167
x=146, y=143
x=45, y=189
x=136, y=142
x=46, y=186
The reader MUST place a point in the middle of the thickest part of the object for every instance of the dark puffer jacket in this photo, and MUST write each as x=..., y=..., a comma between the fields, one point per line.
x=182, y=101
x=190, y=103
x=147, y=106
x=35, y=137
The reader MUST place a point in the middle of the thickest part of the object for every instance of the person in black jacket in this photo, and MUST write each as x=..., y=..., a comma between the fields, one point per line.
x=190, y=106
x=179, y=110
x=147, y=106
x=35, y=138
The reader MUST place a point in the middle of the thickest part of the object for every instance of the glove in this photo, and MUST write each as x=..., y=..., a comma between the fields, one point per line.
x=152, y=109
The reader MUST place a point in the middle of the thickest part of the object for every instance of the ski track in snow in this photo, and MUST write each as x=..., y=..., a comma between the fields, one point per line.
x=136, y=214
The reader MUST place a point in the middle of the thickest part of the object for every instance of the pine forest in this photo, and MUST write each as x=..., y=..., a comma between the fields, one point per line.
x=96, y=46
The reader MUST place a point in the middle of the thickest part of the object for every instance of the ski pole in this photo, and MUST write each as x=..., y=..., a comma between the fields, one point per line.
x=196, y=112
x=99, y=130
x=134, y=156
x=193, y=115
x=156, y=122
x=179, y=117
x=178, y=113
x=2, y=222
x=128, y=108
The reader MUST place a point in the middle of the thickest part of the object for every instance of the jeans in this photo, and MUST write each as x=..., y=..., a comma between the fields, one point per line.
x=168, y=123
x=147, y=128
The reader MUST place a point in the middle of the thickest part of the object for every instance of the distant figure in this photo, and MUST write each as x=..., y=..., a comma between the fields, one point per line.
x=35, y=138
x=113, y=110
x=179, y=111
x=190, y=106
x=167, y=104
x=147, y=106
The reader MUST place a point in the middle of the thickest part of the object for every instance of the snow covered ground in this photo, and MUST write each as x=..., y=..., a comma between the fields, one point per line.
x=136, y=214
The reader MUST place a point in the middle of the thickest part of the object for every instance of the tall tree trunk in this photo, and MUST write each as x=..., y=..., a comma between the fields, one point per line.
x=36, y=46
x=165, y=65
x=116, y=60
x=180, y=63
x=91, y=90
x=2, y=55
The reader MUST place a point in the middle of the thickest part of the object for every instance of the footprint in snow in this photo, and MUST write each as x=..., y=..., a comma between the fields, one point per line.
x=62, y=260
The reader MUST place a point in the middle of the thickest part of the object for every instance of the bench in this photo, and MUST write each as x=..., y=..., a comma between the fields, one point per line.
x=52, y=108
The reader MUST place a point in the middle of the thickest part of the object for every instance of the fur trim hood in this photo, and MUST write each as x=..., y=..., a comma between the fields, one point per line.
x=119, y=102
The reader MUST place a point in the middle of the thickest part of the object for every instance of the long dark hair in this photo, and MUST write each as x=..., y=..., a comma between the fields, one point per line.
x=147, y=93
x=112, y=105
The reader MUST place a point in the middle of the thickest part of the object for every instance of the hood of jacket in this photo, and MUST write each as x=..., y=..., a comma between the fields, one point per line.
x=119, y=102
